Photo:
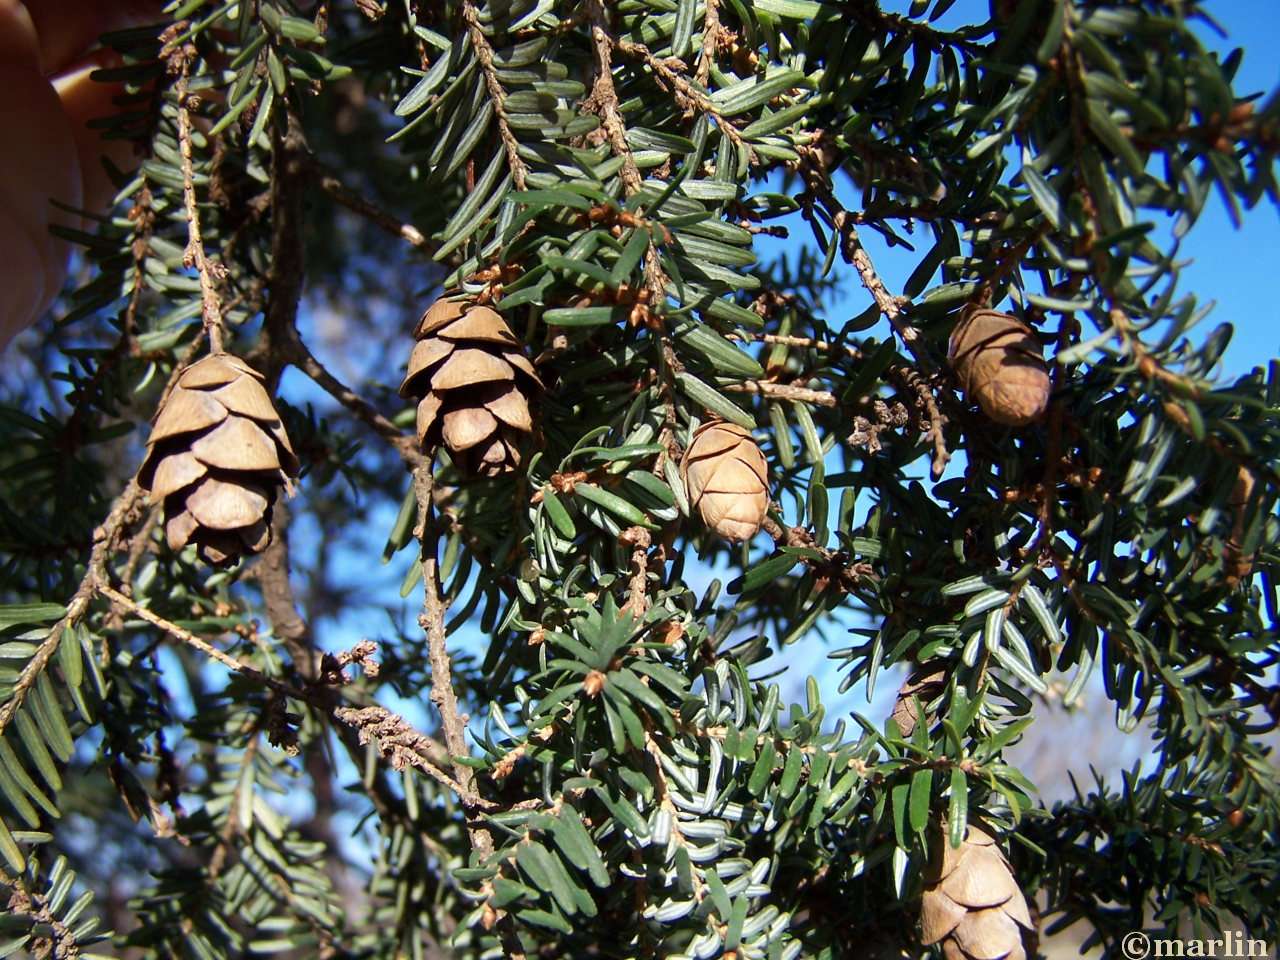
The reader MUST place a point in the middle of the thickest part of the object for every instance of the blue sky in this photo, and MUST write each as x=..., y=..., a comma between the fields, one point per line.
x=1235, y=268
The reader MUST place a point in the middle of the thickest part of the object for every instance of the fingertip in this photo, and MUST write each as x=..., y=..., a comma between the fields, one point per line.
x=67, y=28
x=19, y=41
x=85, y=99
x=31, y=274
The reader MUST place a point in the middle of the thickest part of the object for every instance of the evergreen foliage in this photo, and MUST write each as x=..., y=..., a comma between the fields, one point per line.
x=620, y=772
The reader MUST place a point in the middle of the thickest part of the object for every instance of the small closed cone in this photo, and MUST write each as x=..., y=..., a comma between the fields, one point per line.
x=1001, y=367
x=972, y=904
x=217, y=457
x=473, y=383
x=727, y=479
x=923, y=684
x=1238, y=564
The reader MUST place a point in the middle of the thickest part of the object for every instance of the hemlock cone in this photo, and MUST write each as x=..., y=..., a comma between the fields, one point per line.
x=1238, y=563
x=217, y=457
x=727, y=479
x=473, y=381
x=971, y=902
x=923, y=684
x=1000, y=366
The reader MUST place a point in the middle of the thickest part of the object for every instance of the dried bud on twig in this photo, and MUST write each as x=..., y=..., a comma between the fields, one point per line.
x=1000, y=366
x=727, y=479
x=972, y=903
x=473, y=381
x=217, y=457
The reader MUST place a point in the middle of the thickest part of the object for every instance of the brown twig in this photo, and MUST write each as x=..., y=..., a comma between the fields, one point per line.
x=281, y=344
x=604, y=97
x=272, y=574
x=323, y=672
x=832, y=566
x=686, y=96
x=884, y=418
x=453, y=723
x=288, y=250
x=304, y=360
x=194, y=254
x=403, y=746
x=232, y=663
x=358, y=203
x=926, y=403
x=813, y=170
x=497, y=96
x=143, y=218
x=638, y=586
x=809, y=343
x=710, y=41
x=139, y=544
x=603, y=100
x=369, y=721
x=784, y=391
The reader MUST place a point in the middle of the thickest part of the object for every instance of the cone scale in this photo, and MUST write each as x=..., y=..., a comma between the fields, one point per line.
x=972, y=904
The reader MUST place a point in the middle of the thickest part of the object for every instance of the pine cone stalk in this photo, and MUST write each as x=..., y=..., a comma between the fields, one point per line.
x=727, y=479
x=473, y=384
x=972, y=904
x=1001, y=367
x=217, y=457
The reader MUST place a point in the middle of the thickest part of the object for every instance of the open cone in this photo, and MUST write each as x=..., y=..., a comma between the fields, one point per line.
x=727, y=479
x=972, y=904
x=217, y=457
x=1000, y=366
x=473, y=383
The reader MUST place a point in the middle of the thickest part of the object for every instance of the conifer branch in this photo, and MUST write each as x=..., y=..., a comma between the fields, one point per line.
x=711, y=31
x=405, y=445
x=604, y=97
x=453, y=722
x=497, y=96
x=353, y=200
x=404, y=746
x=818, y=186
x=784, y=391
x=194, y=255
x=686, y=96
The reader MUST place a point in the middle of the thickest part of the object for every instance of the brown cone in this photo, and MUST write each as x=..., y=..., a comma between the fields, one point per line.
x=473, y=382
x=1001, y=367
x=1238, y=563
x=727, y=479
x=217, y=457
x=972, y=903
x=923, y=683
